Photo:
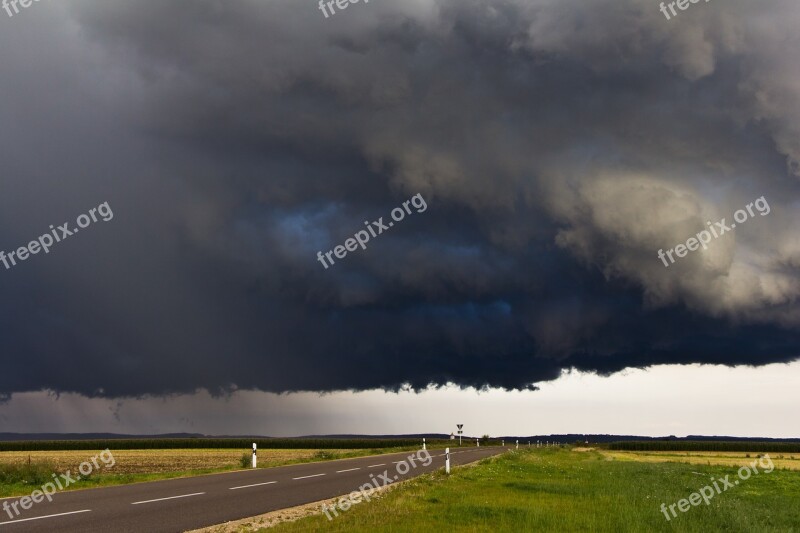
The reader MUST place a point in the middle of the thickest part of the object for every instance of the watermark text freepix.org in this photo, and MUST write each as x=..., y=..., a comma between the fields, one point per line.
x=8, y=4
x=361, y=238
x=341, y=4
x=706, y=493
x=718, y=229
x=60, y=482
x=46, y=241
x=367, y=489
x=683, y=5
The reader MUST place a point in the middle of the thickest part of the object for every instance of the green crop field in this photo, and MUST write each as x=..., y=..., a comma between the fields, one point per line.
x=562, y=490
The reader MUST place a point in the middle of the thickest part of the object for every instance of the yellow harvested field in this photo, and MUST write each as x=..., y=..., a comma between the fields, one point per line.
x=780, y=459
x=161, y=461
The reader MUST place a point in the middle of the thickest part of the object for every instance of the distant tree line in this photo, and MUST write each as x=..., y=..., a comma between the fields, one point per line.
x=162, y=444
x=705, y=446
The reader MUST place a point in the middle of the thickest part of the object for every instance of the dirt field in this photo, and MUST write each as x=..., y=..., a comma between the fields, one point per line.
x=160, y=461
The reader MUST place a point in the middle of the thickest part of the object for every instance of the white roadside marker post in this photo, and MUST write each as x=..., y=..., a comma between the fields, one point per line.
x=423, y=443
x=518, y=444
x=478, y=442
x=447, y=460
x=254, y=455
x=502, y=443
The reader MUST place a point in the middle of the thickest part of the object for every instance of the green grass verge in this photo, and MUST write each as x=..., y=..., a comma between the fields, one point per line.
x=560, y=490
x=22, y=481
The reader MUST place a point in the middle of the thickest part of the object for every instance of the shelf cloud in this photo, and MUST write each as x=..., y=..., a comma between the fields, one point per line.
x=558, y=146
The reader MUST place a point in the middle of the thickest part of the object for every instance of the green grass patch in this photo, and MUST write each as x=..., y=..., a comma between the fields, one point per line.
x=22, y=481
x=560, y=490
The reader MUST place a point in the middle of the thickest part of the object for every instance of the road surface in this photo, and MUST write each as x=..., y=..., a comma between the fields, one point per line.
x=178, y=505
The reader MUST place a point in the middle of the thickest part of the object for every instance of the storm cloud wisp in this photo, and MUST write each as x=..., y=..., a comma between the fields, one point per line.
x=558, y=145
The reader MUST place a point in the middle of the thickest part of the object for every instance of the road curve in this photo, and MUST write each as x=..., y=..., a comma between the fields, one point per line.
x=178, y=505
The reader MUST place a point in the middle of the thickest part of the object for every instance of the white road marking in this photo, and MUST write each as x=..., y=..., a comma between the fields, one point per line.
x=40, y=517
x=254, y=485
x=170, y=498
x=373, y=466
x=348, y=470
x=306, y=477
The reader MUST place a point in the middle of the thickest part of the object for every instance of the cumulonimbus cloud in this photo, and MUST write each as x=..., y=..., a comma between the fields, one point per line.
x=559, y=146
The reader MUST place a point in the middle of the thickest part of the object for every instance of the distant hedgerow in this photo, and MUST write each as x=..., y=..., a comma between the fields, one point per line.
x=203, y=443
x=705, y=446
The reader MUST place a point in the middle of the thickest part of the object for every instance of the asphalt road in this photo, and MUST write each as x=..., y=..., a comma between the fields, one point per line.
x=178, y=505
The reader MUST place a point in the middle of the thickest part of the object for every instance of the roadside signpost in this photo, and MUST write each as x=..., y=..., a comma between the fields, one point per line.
x=254, y=455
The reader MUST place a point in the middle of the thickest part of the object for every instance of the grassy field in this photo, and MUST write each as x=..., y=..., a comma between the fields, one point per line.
x=563, y=490
x=22, y=472
x=705, y=446
x=790, y=461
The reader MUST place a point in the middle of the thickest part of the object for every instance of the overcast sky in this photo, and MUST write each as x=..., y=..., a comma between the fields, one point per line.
x=558, y=146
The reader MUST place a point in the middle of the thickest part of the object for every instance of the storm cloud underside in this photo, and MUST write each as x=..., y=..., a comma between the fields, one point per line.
x=558, y=145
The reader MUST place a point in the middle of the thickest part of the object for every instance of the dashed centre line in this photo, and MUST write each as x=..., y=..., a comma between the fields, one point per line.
x=170, y=498
x=348, y=470
x=40, y=517
x=253, y=485
x=306, y=477
x=373, y=466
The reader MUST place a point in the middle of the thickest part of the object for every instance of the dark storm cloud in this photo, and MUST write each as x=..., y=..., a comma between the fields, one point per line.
x=558, y=145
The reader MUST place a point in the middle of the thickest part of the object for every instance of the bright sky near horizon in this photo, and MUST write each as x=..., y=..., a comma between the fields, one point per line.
x=659, y=401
